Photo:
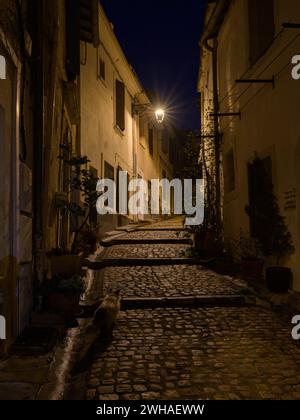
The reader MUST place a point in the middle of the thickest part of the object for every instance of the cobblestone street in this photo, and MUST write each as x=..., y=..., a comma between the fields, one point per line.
x=188, y=352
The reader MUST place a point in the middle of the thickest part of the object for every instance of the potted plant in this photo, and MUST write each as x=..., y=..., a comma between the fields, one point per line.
x=248, y=250
x=62, y=295
x=270, y=228
x=82, y=184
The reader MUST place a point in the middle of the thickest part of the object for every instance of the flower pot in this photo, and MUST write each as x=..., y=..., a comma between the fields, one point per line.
x=252, y=269
x=66, y=265
x=279, y=279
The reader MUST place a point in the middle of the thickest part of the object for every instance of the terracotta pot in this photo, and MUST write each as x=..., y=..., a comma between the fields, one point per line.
x=252, y=269
x=279, y=279
x=66, y=265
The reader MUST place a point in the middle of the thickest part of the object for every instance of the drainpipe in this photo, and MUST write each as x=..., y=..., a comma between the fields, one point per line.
x=217, y=138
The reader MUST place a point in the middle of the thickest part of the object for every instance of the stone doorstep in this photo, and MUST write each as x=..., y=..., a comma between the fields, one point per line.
x=142, y=241
x=133, y=262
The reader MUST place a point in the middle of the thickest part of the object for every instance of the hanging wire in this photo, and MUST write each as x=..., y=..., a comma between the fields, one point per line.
x=263, y=70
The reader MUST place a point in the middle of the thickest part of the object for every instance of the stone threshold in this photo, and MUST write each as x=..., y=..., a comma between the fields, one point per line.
x=133, y=262
x=142, y=241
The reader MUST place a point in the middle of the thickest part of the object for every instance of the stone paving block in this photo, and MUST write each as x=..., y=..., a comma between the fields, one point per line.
x=236, y=364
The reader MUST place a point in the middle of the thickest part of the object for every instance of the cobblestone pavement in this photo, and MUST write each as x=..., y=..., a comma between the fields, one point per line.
x=189, y=353
x=148, y=234
x=217, y=353
x=178, y=280
x=146, y=251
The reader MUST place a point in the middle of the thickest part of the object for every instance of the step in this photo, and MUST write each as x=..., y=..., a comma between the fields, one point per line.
x=177, y=301
x=144, y=241
x=128, y=262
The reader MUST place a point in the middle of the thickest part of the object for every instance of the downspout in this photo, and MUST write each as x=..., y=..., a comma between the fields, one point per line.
x=217, y=138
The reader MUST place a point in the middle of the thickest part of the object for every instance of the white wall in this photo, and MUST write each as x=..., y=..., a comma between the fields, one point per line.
x=270, y=117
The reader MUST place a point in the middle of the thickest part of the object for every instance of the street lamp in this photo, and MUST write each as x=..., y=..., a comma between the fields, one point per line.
x=139, y=109
x=160, y=115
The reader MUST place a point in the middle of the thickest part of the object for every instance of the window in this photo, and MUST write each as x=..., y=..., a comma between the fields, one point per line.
x=150, y=140
x=261, y=26
x=229, y=172
x=143, y=130
x=102, y=69
x=109, y=171
x=120, y=105
x=142, y=127
x=259, y=175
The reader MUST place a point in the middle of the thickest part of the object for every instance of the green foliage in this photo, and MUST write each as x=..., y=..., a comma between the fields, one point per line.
x=269, y=225
x=58, y=284
x=83, y=182
x=246, y=248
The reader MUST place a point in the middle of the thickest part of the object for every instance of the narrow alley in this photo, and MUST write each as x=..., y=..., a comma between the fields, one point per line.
x=185, y=332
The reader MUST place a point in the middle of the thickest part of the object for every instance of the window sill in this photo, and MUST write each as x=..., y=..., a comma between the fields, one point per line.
x=102, y=81
x=119, y=131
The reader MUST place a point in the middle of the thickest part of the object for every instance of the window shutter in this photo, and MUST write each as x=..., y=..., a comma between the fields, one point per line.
x=261, y=26
x=89, y=22
x=150, y=139
x=120, y=105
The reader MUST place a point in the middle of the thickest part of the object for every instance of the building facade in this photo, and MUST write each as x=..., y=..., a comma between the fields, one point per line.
x=65, y=84
x=39, y=112
x=249, y=108
x=118, y=127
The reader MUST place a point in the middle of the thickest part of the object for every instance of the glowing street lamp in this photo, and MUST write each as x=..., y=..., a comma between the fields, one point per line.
x=160, y=115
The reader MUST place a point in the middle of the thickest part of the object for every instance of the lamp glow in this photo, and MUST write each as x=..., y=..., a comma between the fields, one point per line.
x=160, y=115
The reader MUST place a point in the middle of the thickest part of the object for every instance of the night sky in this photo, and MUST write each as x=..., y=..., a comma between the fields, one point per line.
x=160, y=39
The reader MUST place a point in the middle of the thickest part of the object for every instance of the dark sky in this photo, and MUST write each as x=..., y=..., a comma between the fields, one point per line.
x=160, y=39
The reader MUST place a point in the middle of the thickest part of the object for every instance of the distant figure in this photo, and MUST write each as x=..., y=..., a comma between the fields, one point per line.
x=106, y=315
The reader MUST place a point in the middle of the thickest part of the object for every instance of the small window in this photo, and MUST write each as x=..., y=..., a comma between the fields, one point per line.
x=261, y=26
x=102, y=69
x=142, y=127
x=229, y=172
x=150, y=140
x=109, y=171
x=120, y=105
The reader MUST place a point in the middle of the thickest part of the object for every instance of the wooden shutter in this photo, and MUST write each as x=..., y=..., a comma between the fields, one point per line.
x=261, y=26
x=120, y=105
x=109, y=171
x=150, y=139
x=89, y=21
